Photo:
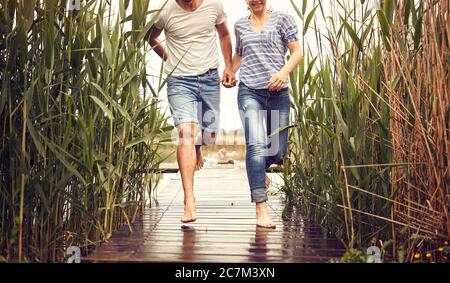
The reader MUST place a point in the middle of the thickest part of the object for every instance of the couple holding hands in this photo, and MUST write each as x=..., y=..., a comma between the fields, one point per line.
x=193, y=88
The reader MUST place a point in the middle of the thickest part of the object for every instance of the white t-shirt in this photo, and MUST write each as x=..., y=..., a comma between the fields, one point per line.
x=191, y=37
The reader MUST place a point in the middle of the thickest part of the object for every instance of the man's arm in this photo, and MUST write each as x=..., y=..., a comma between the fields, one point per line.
x=155, y=43
x=228, y=79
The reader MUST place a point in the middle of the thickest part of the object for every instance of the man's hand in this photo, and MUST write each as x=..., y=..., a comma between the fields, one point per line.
x=228, y=79
x=278, y=81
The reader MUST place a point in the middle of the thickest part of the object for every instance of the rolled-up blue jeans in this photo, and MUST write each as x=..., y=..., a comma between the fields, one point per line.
x=265, y=116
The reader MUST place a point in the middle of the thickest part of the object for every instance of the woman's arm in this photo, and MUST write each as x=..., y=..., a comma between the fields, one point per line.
x=237, y=60
x=278, y=81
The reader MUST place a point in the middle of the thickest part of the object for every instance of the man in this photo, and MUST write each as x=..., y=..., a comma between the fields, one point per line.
x=193, y=88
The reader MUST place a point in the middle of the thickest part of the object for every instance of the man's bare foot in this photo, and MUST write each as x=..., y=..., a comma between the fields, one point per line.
x=200, y=161
x=263, y=219
x=189, y=212
x=267, y=181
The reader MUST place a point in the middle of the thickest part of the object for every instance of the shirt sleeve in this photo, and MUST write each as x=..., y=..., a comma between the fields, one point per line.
x=160, y=22
x=289, y=29
x=239, y=48
x=221, y=15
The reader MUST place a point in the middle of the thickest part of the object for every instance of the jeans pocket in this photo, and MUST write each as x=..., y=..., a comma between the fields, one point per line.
x=170, y=81
x=214, y=75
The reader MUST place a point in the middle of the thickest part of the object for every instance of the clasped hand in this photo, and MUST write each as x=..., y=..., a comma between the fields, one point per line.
x=229, y=78
x=276, y=83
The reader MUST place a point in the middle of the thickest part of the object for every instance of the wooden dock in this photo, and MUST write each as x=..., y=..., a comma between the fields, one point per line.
x=224, y=232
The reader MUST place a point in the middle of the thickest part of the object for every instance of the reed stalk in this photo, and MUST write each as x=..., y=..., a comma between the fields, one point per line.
x=369, y=150
x=78, y=125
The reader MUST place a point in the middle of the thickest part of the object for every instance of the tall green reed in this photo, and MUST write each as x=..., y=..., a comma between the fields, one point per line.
x=80, y=124
x=342, y=148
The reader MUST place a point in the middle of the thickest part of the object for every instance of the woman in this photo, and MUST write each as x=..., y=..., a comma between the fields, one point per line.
x=262, y=41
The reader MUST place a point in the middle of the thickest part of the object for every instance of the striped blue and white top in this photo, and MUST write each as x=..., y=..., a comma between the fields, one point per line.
x=263, y=53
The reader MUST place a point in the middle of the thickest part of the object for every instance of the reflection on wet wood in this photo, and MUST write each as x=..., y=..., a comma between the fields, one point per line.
x=225, y=230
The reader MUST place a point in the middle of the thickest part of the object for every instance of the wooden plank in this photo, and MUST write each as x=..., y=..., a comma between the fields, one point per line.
x=158, y=171
x=208, y=258
x=166, y=239
x=224, y=232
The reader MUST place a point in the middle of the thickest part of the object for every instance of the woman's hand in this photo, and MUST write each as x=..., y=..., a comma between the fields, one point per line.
x=278, y=81
x=228, y=79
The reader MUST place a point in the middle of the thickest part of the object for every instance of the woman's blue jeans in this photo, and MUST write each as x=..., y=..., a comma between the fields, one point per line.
x=265, y=116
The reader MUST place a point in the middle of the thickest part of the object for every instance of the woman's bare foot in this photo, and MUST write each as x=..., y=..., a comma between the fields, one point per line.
x=263, y=219
x=189, y=211
x=267, y=181
x=200, y=161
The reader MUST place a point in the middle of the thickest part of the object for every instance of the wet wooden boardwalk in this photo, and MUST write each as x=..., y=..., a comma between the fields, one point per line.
x=224, y=232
